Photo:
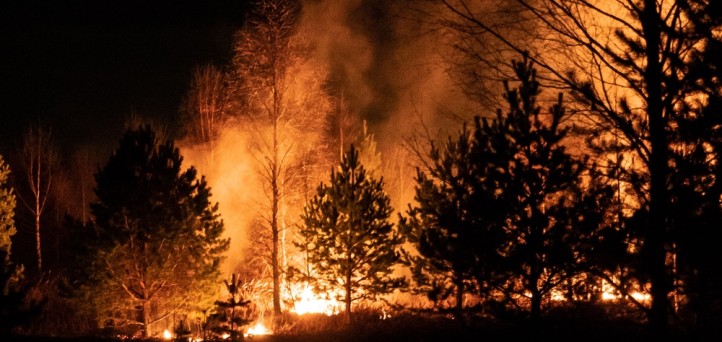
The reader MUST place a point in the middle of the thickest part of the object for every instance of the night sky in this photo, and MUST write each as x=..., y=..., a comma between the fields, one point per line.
x=84, y=66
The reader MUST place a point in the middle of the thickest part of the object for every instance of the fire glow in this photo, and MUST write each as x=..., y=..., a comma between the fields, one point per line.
x=309, y=302
x=257, y=330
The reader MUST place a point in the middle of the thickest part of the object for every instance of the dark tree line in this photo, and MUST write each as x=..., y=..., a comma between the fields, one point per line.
x=644, y=79
x=504, y=212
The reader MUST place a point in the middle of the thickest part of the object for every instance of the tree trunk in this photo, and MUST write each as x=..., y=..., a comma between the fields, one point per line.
x=37, y=235
x=535, y=305
x=655, y=233
x=276, y=198
x=459, y=306
x=145, y=308
x=348, y=298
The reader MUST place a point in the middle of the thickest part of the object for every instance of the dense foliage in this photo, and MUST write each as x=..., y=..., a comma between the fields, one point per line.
x=505, y=211
x=348, y=239
x=156, y=242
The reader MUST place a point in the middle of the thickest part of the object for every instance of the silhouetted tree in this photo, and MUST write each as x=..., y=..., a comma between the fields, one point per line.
x=628, y=63
x=230, y=311
x=451, y=225
x=695, y=187
x=205, y=108
x=506, y=205
x=349, y=241
x=551, y=203
x=157, y=236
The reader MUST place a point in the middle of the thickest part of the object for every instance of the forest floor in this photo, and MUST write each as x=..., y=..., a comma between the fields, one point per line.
x=574, y=326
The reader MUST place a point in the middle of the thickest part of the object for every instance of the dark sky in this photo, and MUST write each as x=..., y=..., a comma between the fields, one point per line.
x=84, y=66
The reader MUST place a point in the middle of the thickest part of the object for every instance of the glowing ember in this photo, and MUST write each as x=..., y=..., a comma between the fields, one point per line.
x=258, y=329
x=606, y=295
x=310, y=302
x=641, y=297
x=167, y=335
x=610, y=294
x=225, y=336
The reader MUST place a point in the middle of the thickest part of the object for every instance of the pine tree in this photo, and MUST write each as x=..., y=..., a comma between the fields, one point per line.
x=632, y=67
x=695, y=187
x=451, y=223
x=349, y=240
x=551, y=202
x=230, y=312
x=158, y=240
x=505, y=207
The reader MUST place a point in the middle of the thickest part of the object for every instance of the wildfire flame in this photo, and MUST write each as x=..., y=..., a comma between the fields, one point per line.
x=610, y=294
x=310, y=302
x=167, y=335
x=257, y=330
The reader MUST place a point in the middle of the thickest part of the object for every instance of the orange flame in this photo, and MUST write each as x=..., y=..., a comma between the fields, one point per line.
x=311, y=302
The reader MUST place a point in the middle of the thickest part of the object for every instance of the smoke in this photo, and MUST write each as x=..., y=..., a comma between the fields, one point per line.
x=390, y=64
x=385, y=59
x=234, y=185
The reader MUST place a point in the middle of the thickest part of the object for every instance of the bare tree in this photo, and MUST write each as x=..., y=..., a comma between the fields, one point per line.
x=39, y=160
x=341, y=127
x=278, y=97
x=205, y=106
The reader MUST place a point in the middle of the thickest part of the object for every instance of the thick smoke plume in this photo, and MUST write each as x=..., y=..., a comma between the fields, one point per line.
x=389, y=62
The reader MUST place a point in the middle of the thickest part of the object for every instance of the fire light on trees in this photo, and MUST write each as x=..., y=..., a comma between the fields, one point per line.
x=155, y=245
x=257, y=329
x=277, y=97
x=308, y=301
x=634, y=68
x=350, y=244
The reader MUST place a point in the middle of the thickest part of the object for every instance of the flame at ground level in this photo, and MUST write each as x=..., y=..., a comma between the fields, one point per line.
x=311, y=302
x=257, y=329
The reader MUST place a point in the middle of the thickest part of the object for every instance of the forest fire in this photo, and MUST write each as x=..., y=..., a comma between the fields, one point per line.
x=545, y=207
x=309, y=302
x=257, y=329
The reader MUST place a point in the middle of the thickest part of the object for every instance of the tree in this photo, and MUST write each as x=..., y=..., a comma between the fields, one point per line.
x=695, y=186
x=505, y=208
x=369, y=156
x=14, y=307
x=158, y=241
x=230, y=312
x=7, y=213
x=205, y=107
x=39, y=160
x=551, y=202
x=278, y=96
x=450, y=225
x=350, y=243
x=627, y=63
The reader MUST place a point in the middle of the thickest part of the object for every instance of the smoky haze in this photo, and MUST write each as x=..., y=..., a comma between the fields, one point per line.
x=389, y=61
x=385, y=61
